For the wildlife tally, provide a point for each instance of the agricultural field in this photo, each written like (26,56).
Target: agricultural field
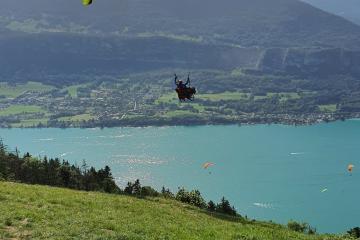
(283,96)
(328,108)
(30,123)
(13,91)
(225,96)
(20,109)
(77,118)
(73,90)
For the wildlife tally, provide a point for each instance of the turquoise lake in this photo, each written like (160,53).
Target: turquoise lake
(269,172)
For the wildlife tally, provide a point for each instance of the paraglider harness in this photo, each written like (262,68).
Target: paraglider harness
(184,92)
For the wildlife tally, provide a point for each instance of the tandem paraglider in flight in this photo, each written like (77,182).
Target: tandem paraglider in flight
(184,90)
(87,2)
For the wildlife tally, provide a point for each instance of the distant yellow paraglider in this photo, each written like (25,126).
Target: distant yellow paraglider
(350,168)
(87,2)
(207,165)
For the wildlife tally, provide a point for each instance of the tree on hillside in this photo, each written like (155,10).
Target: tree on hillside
(129,188)
(84,167)
(137,188)
(225,207)
(2,148)
(165,192)
(194,197)
(297,227)
(211,206)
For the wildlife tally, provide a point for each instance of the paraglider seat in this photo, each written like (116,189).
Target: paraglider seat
(186,93)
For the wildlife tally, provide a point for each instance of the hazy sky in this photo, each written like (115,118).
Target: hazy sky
(346,8)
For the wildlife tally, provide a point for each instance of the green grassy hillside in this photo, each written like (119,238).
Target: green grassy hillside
(38,212)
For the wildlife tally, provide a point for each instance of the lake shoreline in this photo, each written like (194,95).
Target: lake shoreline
(255,119)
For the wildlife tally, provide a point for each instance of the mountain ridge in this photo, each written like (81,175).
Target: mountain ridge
(281,23)
(41,39)
(349,9)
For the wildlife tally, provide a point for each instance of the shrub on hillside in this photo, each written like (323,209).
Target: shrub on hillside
(354,232)
(140,191)
(194,197)
(166,193)
(301,227)
(297,227)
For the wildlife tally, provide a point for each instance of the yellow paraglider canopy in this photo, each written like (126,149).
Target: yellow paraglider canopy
(86,2)
(207,164)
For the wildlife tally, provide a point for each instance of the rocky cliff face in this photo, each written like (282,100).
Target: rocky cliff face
(310,61)
(39,56)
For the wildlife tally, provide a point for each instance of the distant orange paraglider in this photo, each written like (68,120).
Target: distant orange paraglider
(207,165)
(350,168)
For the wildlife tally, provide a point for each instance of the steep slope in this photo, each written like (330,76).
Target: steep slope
(41,39)
(36,212)
(311,62)
(349,9)
(42,56)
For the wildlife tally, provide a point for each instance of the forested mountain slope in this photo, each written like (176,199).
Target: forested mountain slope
(285,23)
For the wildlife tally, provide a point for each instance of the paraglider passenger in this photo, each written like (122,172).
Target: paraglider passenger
(180,84)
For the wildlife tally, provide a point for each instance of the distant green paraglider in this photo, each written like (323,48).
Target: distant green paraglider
(86,2)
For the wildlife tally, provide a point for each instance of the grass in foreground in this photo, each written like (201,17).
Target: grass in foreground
(39,212)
